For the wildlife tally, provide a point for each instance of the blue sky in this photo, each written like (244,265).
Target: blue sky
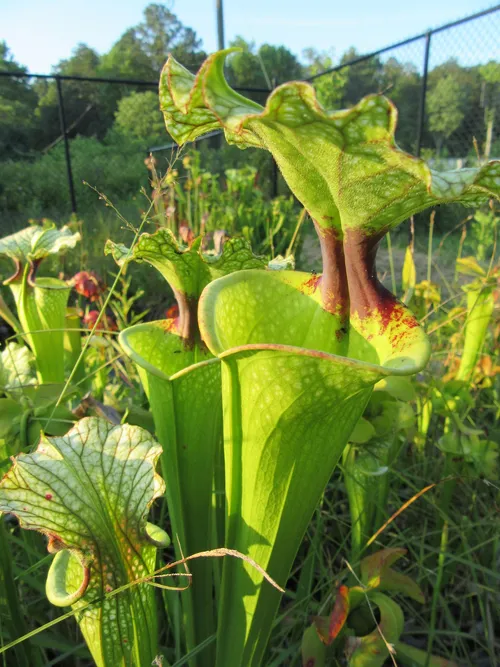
(41,32)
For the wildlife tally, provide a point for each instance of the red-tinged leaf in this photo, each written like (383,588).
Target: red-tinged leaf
(328,628)
(312,649)
(377,573)
(339,614)
(373,566)
(322,625)
(400,583)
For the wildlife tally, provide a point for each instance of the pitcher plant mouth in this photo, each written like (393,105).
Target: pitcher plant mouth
(124,339)
(28,247)
(397,346)
(334,358)
(187,270)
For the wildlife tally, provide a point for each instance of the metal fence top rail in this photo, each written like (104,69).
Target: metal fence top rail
(404,42)
(99,79)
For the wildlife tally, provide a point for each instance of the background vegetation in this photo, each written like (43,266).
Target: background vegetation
(112,126)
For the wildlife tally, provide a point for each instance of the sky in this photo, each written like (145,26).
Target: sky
(39,33)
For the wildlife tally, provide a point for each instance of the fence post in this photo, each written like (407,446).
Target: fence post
(62,122)
(423,93)
(220,24)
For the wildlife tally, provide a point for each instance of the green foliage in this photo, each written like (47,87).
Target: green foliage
(17,104)
(259,68)
(353,629)
(127,59)
(329,88)
(162,33)
(38,187)
(481,236)
(344,317)
(139,116)
(445,104)
(41,303)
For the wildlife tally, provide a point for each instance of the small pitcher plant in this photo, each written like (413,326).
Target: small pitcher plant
(41,302)
(90,491)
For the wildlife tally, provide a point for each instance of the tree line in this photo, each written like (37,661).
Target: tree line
(461,101)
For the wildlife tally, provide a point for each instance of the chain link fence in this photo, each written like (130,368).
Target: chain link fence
(445,83)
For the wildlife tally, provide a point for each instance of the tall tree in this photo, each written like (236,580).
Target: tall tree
(139,116)
(490,100)
(263,67)
(445,107)
(401,82)
(17,106)
(127,59)
(363,78)
(462,86)
(83,101)
(161,33)
(329,87)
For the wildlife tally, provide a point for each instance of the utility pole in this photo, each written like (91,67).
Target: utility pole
(220,24)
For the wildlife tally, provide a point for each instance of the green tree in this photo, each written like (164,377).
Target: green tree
(17,105)
(127,59)
(445,108)
(490,100)
(161,33)
(261,68)
(139,116)
(401,82)
(330,87)
(84,102)
(363,78)
(464,96)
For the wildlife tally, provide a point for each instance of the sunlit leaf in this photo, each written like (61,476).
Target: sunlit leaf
(376,572)
(363,181)
(469,267)
(409,273)
(34,243)
(312,649)
(90,492)
(329,630)
(401,388)
(17,367)
(362,432)
(41,310)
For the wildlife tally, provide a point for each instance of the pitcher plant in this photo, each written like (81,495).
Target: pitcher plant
(300,352)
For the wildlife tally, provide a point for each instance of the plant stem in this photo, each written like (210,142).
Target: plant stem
(436,592)
(391,263)
(429,246)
